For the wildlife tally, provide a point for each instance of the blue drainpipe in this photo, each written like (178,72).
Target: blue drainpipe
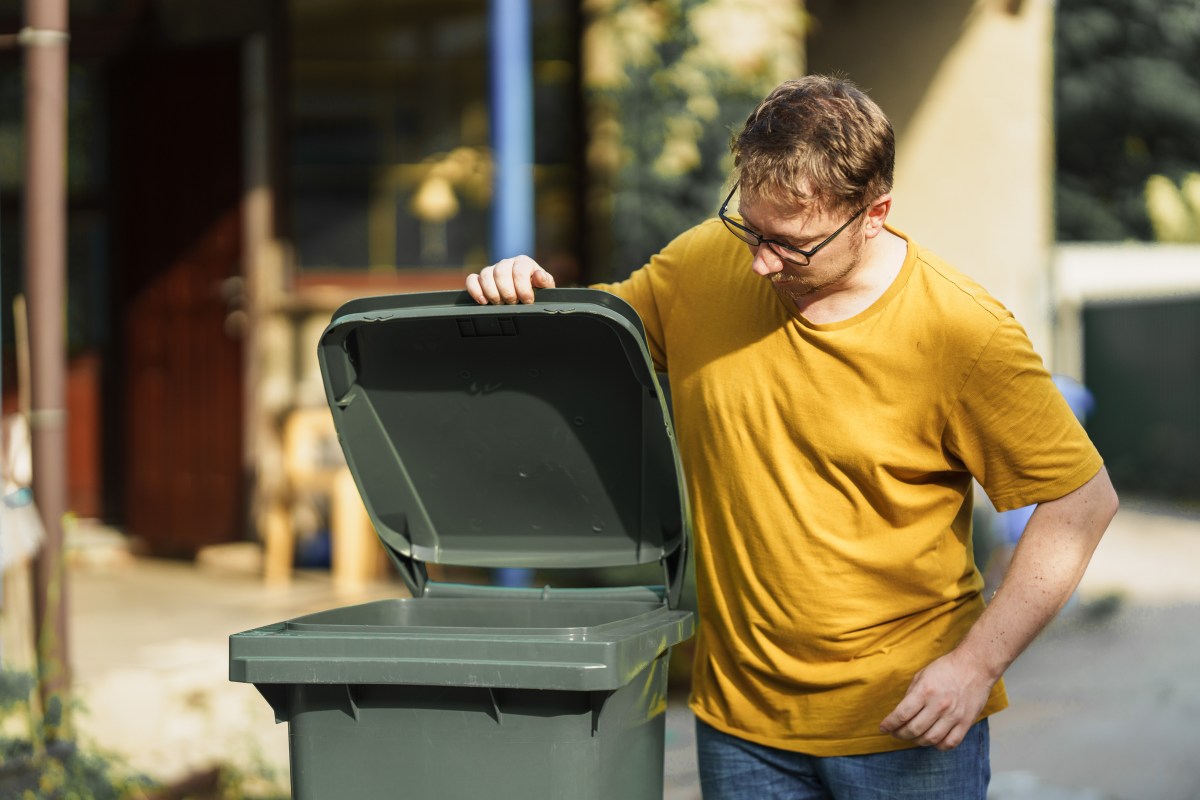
(512,128)
(512,147)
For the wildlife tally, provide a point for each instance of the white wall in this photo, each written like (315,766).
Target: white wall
(1114,273)
(967,84)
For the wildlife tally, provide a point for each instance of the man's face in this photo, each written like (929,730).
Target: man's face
(832,266)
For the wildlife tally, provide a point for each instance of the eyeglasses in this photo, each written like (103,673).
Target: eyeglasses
(784,250)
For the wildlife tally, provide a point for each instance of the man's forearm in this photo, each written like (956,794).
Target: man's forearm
(1046,567)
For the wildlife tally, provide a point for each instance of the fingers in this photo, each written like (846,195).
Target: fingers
(475,289)
(942,729)
(508,282)
(895,721)
(940,706)
(542,279)
(905,712)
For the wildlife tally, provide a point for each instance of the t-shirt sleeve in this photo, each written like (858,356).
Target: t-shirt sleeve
(1013,429)
(650,292)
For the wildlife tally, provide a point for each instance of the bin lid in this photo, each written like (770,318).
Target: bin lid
(507,436)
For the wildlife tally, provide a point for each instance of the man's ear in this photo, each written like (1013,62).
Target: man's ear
(877,214)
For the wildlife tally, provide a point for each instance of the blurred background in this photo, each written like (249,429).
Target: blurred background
(236,169)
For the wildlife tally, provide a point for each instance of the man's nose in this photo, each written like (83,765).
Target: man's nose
(766,261)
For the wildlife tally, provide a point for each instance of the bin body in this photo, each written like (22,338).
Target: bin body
(378,741)
(529,436)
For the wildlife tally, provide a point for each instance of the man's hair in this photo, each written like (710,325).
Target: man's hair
(816,140)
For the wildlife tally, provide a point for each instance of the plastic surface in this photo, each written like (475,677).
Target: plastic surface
(499,436)
(372,742)
(490,436)
(458,697)
(574,645)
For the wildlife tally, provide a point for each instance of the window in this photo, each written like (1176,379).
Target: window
(388,134)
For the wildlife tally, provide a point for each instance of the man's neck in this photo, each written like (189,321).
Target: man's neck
(882,261)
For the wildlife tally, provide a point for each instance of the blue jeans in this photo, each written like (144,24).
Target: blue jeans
(735,769)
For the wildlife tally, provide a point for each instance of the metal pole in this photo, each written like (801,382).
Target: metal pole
(45,48)
(512,128)
(512,144)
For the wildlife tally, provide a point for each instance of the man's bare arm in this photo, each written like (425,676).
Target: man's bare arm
(945,698)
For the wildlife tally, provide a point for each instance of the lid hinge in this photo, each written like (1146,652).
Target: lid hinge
(413,571)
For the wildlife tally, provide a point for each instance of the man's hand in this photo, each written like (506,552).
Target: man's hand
(941,704)
(508,282)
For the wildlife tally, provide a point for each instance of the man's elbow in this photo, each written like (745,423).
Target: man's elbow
(1114,502)
(1105,500)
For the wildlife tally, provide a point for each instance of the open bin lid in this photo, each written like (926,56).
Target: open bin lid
(507,436)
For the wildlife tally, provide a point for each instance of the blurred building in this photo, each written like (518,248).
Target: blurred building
(238,168)
(1127,319)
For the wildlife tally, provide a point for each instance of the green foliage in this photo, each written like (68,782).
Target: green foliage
(71,775)
(14,690)
(30,770)
(1127,107)
(668,83)
(255,784)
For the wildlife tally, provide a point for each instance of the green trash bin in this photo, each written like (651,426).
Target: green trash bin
(491,436)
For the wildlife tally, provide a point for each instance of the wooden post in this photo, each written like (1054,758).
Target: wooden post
(44,39)
(356,550)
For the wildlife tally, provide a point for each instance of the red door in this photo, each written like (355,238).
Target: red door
(177,163)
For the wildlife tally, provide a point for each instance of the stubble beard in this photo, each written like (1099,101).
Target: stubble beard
(802,284)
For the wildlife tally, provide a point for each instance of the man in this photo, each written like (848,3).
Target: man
(836,387)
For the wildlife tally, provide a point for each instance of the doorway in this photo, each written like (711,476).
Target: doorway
(177,425)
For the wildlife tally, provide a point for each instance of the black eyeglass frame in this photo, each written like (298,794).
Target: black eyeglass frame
(777,246)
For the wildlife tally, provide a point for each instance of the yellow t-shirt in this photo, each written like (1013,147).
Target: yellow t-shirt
(829,469)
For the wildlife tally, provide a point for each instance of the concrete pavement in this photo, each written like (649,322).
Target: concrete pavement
(1103,705)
